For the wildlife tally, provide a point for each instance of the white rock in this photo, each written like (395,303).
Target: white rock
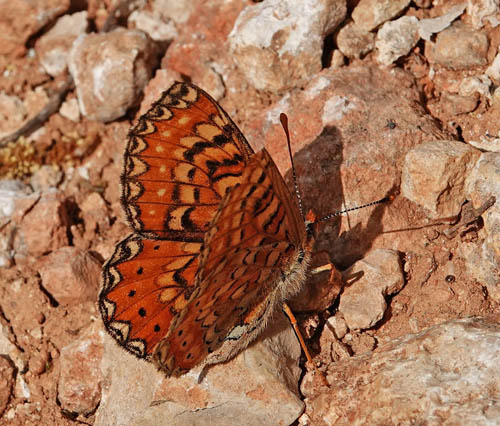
(396,39)
(258,387)
(277,44)
(442,376)
(483,10)
(434,175)
(375,276)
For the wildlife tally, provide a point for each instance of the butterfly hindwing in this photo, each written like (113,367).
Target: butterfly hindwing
(249,252)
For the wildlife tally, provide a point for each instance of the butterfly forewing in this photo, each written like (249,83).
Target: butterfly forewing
(181,158)
(253,241)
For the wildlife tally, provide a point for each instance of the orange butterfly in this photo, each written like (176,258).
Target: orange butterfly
(219,242)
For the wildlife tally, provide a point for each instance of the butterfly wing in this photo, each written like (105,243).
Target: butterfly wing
(248,257)
(181,159)
(182,156)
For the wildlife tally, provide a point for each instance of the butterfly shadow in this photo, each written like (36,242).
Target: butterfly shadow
(318,168)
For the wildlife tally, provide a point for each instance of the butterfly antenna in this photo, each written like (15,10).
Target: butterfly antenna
(284,124)
(382,200)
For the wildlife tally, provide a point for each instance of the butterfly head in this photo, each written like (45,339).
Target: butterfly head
(311,225)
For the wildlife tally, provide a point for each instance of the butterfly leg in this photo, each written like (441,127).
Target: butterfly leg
(293,321)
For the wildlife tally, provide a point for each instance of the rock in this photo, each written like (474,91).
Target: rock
(70,275)
(368,281)
(45,178)
(153,25)
(396,39)
(354,42)
(430,26)
(278,44)
(434,175)
(454,104)
(53,47)
(493,71)
(470,86)
(69,109)
(369,14)
(203,36)
(459,47)
(484,263)
(332,349)
(80,381)
(45,226)
(10,191)
(483,10)
(443,374)
(22,19)
(266,396)
(7,380)
(109,77)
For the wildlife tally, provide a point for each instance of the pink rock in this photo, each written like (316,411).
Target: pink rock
(70,275)
(44,227)
(204,35)
(354,42)
(271,52)
(434,176)
(459,47)
(400,381)
(79,388)
(19,20)
(369,280)
(110,71)
(53,47)
(369,14)
(258,387)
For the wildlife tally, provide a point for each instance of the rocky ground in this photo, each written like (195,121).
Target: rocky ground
(383,97)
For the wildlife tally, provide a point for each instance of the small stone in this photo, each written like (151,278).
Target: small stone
(278,44)
(70,275)
(110,70)
(45,227)
(354,42)
(454,104)
(338,325)
(22,19)
(70,110)
(53,47)
(10,191)
(46,177)
(7,380)
(493,71)
(338,59)
(459,47)
(396,39)
(369,14)
(434,175)
(483,10)
(153,25)
(363,301)
(79,387)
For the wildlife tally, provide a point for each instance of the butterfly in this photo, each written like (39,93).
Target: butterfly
(218,242)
